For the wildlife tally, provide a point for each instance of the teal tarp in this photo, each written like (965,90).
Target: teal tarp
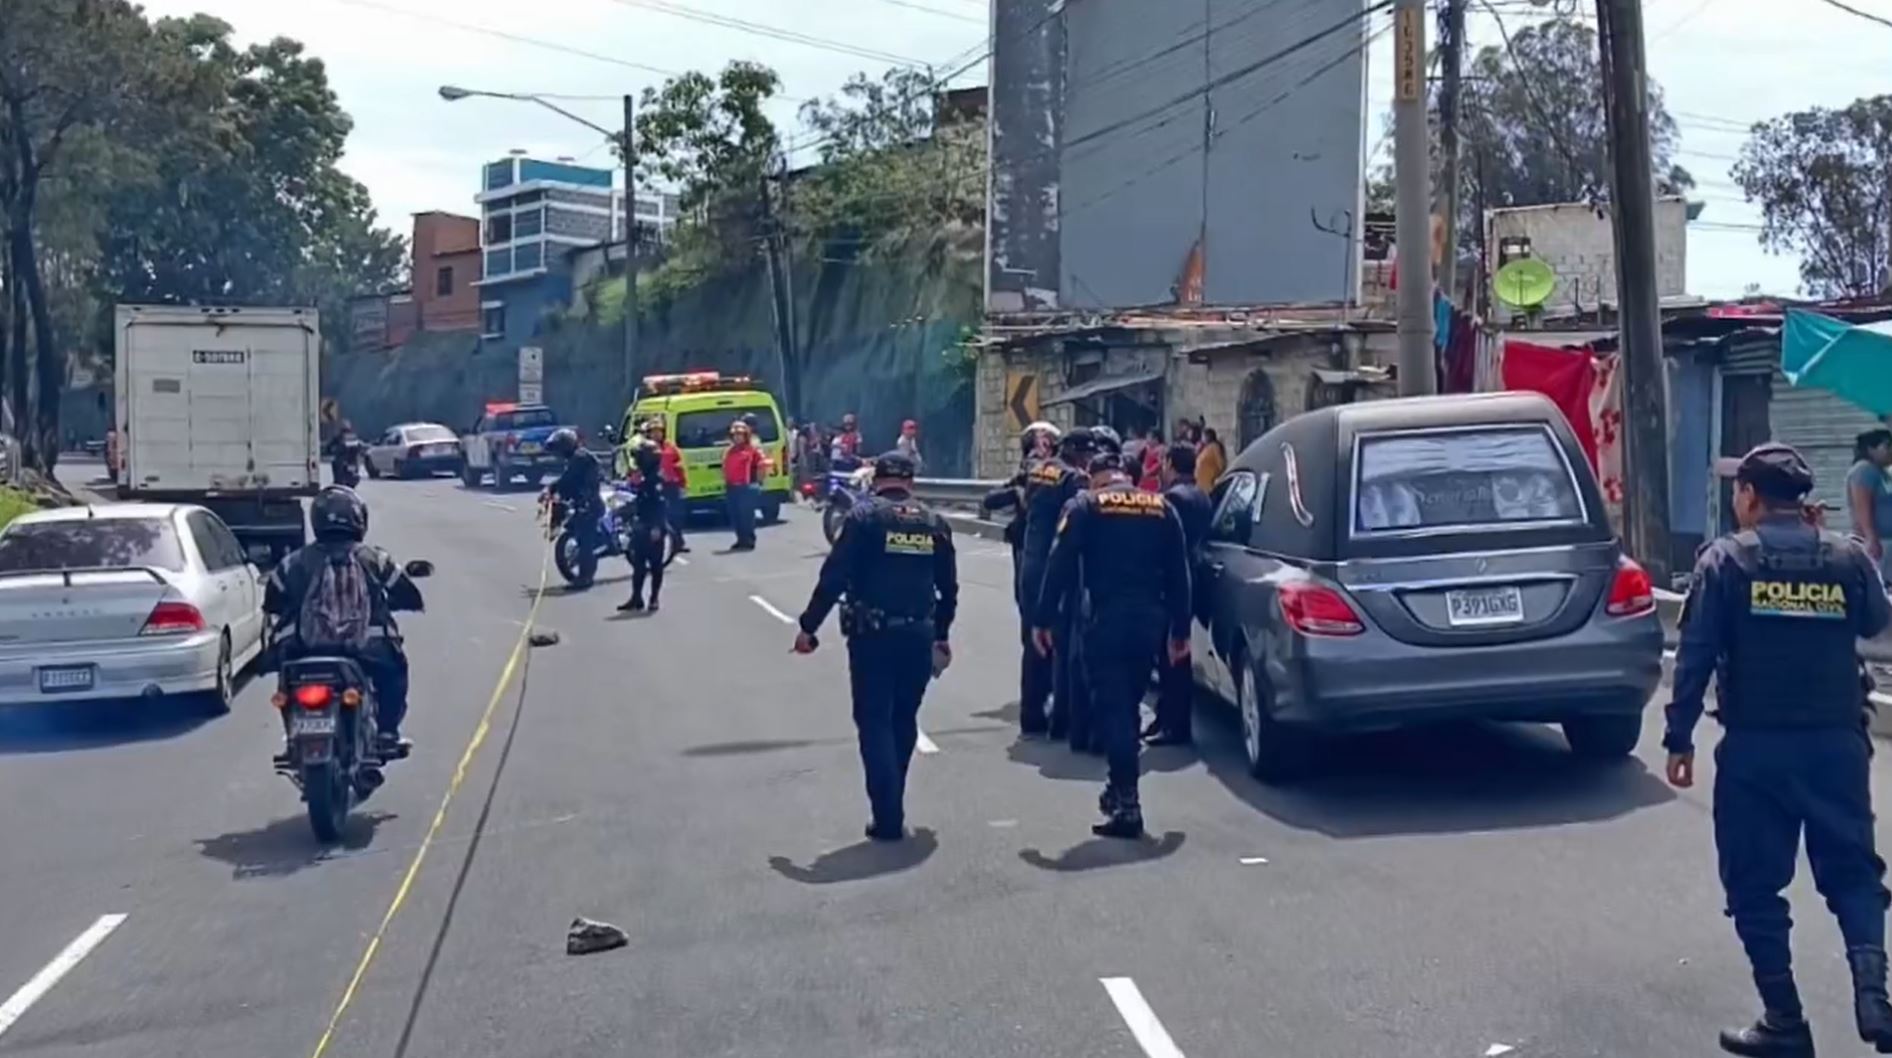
(1849,361)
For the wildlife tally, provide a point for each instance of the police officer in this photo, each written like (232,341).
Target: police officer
(1038,443)
(894,563)
(1041,491)
(1123,549)
(1774,609)
(1174,724)
(577,488)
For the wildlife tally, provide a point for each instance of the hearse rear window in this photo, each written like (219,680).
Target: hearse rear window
(1498,476)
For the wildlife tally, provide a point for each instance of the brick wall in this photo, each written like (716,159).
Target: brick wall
(1579,246)
(445,241)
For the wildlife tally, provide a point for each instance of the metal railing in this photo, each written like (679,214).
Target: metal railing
(957,492)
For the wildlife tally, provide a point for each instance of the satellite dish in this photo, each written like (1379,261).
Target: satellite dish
(1524,283)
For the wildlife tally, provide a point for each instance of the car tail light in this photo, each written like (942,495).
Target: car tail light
(413,451)
(313,695)
(1317,610)
(172,618)
(1632,593)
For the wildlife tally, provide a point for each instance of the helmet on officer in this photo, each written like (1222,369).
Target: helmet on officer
(1108,439)
(563,442)
(1103,464)
(337,513)
(1030,437)
(1078,444)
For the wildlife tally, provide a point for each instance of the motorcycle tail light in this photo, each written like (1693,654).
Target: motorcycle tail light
(351,698)
(313,695)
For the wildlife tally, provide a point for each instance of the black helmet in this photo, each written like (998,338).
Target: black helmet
(563,442)
(1108,439)
(1078,441)
(337,513)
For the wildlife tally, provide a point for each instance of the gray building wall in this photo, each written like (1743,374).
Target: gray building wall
(1158,127)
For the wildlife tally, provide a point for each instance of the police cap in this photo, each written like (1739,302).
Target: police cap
(895,465)
(1776,471)
(1106,461)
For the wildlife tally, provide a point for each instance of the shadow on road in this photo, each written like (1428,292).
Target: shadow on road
(532,591)
(739,749)
(1099,853)
(287,846)
(868,859)
(1453,779)
(1056,760)
(63,727)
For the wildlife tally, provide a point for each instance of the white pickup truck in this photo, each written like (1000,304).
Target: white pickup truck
(219,407)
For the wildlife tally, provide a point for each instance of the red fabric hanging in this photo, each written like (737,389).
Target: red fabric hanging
(1566,376)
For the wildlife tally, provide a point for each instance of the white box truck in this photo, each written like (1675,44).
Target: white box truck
(219,407)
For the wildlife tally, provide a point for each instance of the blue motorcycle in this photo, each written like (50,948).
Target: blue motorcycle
(845,489)
(612,537)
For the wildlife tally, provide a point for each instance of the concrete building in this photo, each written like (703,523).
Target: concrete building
(444,268)
(1578,242)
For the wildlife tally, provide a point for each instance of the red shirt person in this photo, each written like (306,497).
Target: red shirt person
(744,467)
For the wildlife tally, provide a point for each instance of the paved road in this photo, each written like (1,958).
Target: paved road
(1438,894)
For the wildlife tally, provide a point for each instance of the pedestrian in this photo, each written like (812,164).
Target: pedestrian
(909,444)
(1869,496)
(893,564)
(1039,494)
(1211,461)
(1150,474)
(1175,724)
(676,483)
(743,471)
(1125,549)
(1774,611)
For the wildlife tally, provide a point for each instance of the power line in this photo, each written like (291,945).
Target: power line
(500,34)
(1867,15)
(1530,95)
(743,25)
(954,15)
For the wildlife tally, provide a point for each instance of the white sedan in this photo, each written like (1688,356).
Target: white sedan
(125,600)
(416,449)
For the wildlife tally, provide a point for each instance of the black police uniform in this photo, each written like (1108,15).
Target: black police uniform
(1174,719)
(1045,487)
(577,486)
(1774,611)
(649,530)
(390,590)
(894,563)
(1123,549)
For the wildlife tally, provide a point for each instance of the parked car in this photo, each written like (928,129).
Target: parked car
(1400,562)
(125,601)
(416,449)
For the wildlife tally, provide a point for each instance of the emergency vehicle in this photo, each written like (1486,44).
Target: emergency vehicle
(697,409)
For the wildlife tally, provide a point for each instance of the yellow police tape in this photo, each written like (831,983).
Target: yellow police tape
(480,732)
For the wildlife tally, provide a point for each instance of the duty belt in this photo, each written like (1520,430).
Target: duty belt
(865,620)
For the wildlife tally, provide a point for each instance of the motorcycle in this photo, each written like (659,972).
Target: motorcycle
(333,752)
(346,464)
(845,489)
(612,536)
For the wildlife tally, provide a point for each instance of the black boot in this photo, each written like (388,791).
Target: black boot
(1871,1011)
(634,604)
(1126,815)
(1782,1031)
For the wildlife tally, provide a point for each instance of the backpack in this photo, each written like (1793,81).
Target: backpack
(338,608)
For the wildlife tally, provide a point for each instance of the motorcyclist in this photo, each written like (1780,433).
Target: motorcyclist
(344,452)
(846,453)
(339,521)
(577,492)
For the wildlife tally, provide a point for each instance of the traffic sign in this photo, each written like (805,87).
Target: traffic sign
(1021,399)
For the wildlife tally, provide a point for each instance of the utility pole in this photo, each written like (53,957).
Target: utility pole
(1639,311)
(1451,59)
(788,365)
(1412,176)
(628,148)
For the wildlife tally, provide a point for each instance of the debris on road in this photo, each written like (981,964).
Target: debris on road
(587,937)
(1250,861)
(542,637)
(1497,1049)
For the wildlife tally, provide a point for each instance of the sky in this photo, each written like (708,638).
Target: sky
(1722,64)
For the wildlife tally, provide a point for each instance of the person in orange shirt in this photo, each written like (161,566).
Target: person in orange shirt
(675,484)
(744,468)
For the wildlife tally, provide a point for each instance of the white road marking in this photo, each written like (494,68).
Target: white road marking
(1149,1032)
(32,991)
(770,609)
(1497,1049)
(1668,653)
(498,506)
(1881,699)
(1002,824)
(1250,861)
(681,561)
(925,745)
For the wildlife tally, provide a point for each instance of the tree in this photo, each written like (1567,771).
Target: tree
(1823,179)
(706,136)
(1533,127)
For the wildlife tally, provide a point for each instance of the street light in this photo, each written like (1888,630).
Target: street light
(626,149)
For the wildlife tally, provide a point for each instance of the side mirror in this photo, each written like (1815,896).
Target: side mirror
(419,568)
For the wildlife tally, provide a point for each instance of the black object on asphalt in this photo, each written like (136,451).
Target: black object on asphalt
(587,937)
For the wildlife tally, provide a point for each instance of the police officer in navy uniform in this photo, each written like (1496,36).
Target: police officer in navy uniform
(1122,551)
(1174,725)
(1774,610)
(1044,487)
(895,566)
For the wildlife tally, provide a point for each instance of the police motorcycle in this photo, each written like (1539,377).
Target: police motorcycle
(846,489)
(346,460)
(332,752)
(612,536)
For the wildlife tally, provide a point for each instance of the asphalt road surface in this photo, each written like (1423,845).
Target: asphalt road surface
(1449,893)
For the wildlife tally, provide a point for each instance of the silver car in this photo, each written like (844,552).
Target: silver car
(1401,562)
(415,449)
(125,601)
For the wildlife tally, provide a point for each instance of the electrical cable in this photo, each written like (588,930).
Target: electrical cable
(743,25)
(1867,15)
